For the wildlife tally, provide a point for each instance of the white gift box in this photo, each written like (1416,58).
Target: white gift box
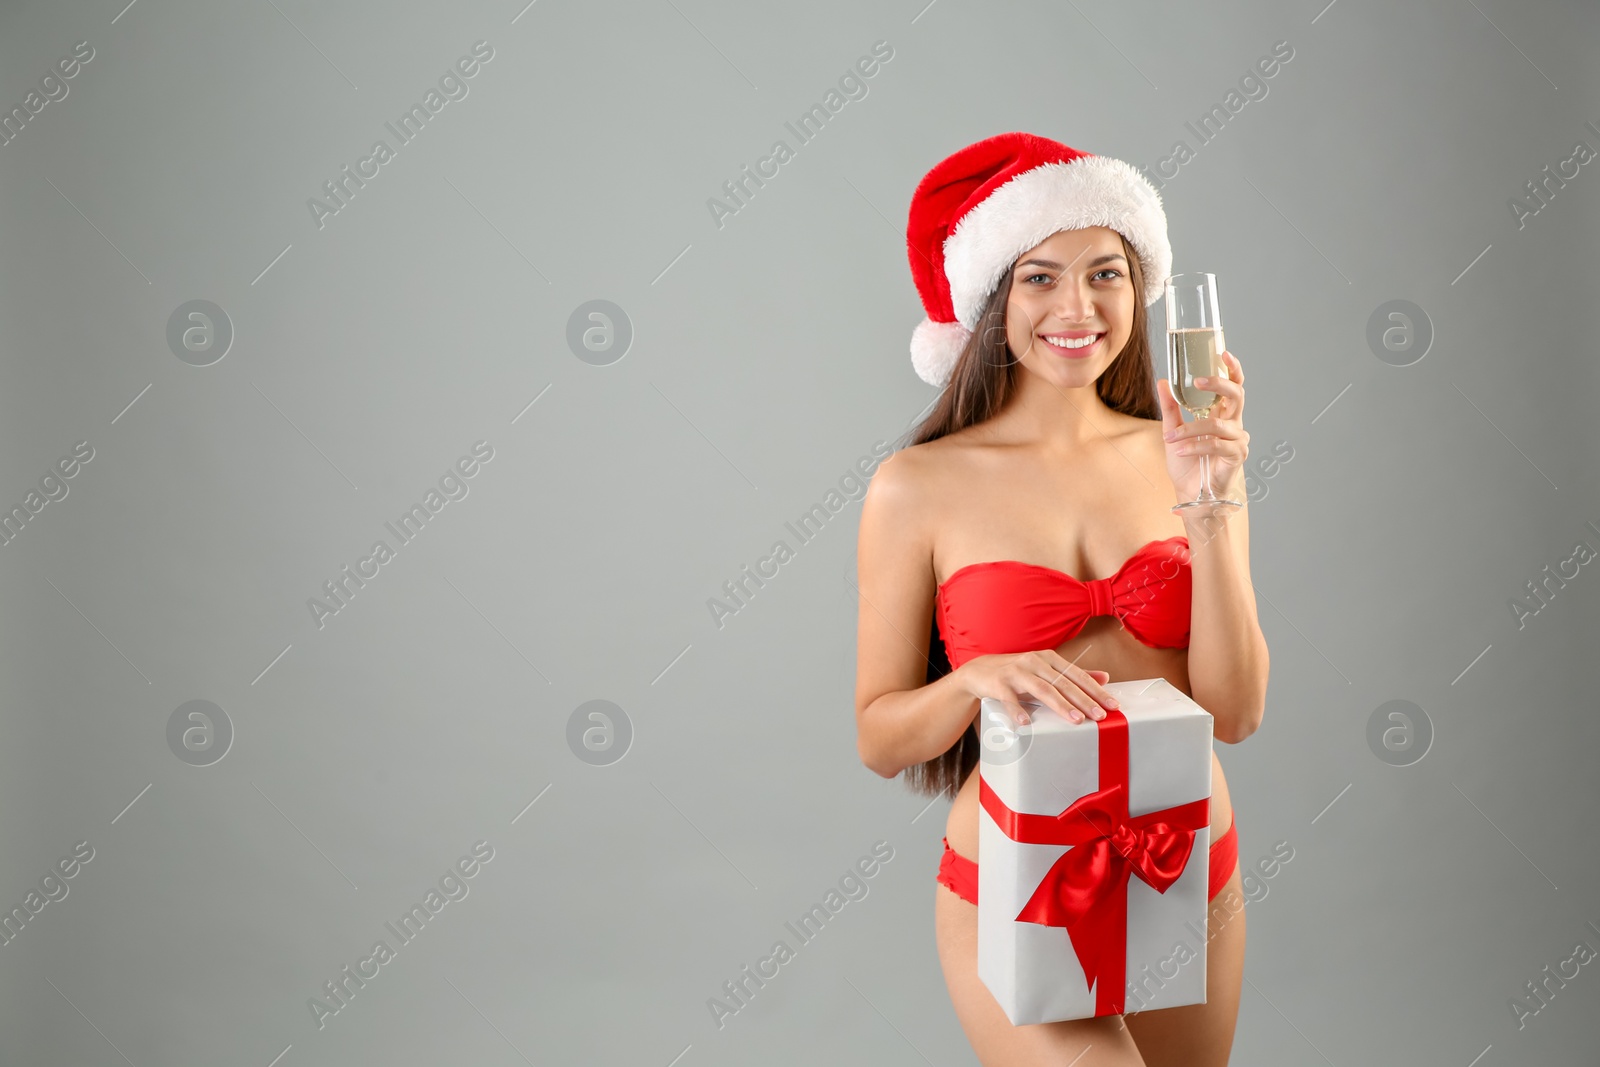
(1040,770)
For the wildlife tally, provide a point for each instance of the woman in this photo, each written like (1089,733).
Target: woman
(1048,456)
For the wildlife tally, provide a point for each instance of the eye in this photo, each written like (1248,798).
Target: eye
(1048,280)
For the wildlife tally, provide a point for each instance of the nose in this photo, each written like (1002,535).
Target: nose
(1074,302)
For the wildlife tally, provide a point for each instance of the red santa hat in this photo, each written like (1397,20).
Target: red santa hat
(975,212)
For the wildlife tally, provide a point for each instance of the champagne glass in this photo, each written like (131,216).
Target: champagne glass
(1194,348)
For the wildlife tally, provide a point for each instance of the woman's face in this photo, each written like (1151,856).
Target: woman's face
(1075,283)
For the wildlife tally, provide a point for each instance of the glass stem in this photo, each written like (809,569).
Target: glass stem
(1205,464)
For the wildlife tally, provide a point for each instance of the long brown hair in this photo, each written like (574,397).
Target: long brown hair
(984,379)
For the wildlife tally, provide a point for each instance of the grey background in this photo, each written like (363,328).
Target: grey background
(768,355)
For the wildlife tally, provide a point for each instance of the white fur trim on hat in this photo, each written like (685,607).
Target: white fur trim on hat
(935,347)
(1089,191)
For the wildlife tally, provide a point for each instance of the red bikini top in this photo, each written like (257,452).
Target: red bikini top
(1010,606)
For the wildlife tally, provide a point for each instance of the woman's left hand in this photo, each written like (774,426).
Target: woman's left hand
(1222,436)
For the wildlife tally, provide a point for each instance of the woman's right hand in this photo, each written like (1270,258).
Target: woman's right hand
(1045,676)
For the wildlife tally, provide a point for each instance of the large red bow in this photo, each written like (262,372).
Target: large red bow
(1086,889)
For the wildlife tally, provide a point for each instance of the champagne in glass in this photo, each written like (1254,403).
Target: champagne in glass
(1196,353)
(1194,350)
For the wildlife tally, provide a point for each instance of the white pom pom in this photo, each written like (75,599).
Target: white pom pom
(935,347)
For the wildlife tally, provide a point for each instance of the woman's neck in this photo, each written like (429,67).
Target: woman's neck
(1053,418)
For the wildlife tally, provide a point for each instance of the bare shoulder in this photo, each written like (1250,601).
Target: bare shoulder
(897,493)
(915,478)
(906,505)
(1144,434)
(1137,427)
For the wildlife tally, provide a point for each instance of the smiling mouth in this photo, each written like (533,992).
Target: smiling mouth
(1073,353)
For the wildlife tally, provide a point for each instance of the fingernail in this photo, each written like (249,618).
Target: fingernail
(1170,434)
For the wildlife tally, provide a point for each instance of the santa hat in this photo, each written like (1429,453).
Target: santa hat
(975,212)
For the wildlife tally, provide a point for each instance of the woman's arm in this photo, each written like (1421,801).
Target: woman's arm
(901,718)
(1227,652)
(905,727)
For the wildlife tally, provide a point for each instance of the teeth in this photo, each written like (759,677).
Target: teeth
(1068,342)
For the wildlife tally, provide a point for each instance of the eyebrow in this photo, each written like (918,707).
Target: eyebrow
(1053,265)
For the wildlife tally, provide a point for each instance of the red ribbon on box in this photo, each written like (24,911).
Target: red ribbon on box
(1086,889)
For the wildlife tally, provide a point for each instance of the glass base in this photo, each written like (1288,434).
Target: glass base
(1213,504)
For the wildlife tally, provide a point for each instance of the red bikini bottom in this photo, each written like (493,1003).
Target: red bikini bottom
(961,874)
